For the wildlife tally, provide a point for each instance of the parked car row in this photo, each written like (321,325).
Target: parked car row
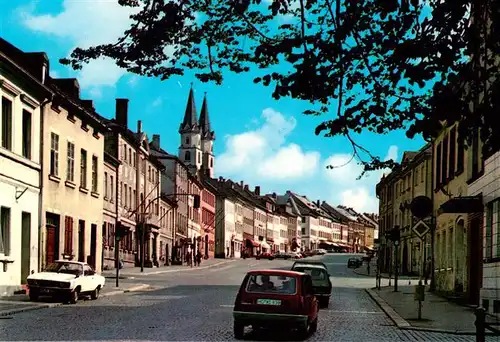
(288,300)
(290,255)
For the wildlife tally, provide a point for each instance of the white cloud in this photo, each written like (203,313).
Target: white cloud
(347,189)
(157,102)
(86,23)
(262,154)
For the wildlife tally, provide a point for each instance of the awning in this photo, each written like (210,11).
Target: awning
(251,243)
(270,239)
(462,205)
(265,245)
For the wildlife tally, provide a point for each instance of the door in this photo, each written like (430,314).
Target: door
(52,238)
(93,245)
(25,246)
(81,240)
(206,246)
(51,248)
(475,261)
(89,282)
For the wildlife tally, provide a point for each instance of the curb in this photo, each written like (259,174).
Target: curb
(384,277)
(33,307)
(403,324)
(128,275)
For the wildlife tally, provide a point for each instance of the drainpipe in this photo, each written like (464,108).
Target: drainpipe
(43,107)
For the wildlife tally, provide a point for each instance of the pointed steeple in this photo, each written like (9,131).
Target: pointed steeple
(190,122)
(206,130)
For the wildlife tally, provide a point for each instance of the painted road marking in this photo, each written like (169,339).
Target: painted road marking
(357,312)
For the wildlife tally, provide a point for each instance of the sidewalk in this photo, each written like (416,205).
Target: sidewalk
(132,272)
(363,271)
(438,314)
(20,303)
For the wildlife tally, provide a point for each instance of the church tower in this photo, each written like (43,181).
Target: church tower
(190,152)
(207,140)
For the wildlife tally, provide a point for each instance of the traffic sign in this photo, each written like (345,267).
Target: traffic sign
(421,207)
(421,228)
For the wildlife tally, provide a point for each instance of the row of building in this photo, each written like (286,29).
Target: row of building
(75,185)
(461,248)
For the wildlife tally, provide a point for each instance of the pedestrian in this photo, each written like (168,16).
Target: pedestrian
(427,270)
(368,267)
(198,258)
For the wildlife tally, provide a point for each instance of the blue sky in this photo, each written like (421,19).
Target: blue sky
(259,140)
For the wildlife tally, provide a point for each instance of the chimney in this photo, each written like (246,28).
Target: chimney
(318,203)
(257,190)
(221,179)
(246,187)
(121,114)
(241,183)
(88,104)
(139,126)
(274,195)
(69,86)
(156,141)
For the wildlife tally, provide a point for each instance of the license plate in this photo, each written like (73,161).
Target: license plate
(45,290)
(268,302)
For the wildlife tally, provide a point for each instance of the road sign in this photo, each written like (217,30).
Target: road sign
(421,228)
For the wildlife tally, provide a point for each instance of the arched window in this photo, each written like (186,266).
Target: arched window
(187,140)
(187,156)
(211,162)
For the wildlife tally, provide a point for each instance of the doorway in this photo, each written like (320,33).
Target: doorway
(25,246)
(81,240)
(52,237)
(93,245)
(476,260)
(206,246)
(405,259)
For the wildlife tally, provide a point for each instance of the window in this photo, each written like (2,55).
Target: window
(5,230)
(438,165)
(130,156)
(211,162)
(460,156)
(106,185)
(125,200)
(26,134)
(187,140)
(271,284)
(187,156)
(111,188)
(54,154)
(130,197)
(453,151)
(68,235)
(125,153)
(488,250)
(70,169)
(83,169)
(94,174)
(6,123)
(444,161)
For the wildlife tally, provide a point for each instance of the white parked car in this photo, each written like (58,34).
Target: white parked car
(67,279)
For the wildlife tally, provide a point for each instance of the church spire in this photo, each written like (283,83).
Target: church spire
(206,130)
(190,122)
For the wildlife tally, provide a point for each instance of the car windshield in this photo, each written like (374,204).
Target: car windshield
(316,274)
(263,283)
(65,267)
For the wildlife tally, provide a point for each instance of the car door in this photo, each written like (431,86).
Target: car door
(88,283)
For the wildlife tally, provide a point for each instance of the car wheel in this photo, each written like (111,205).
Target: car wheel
(95,294)
(33,296)
(303,332)
(239,330)
(314,325)
(324,303)
(74,296)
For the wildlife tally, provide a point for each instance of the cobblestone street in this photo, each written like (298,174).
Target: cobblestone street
(197,306)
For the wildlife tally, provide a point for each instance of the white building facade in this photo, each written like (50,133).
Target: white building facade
(489,187)
(20,168)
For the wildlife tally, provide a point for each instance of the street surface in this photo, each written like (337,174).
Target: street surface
(197,306)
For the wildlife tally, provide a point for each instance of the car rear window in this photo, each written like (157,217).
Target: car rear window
(315,273)
(263,283)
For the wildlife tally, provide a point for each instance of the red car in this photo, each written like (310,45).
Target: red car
(276,298)
(265,255)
